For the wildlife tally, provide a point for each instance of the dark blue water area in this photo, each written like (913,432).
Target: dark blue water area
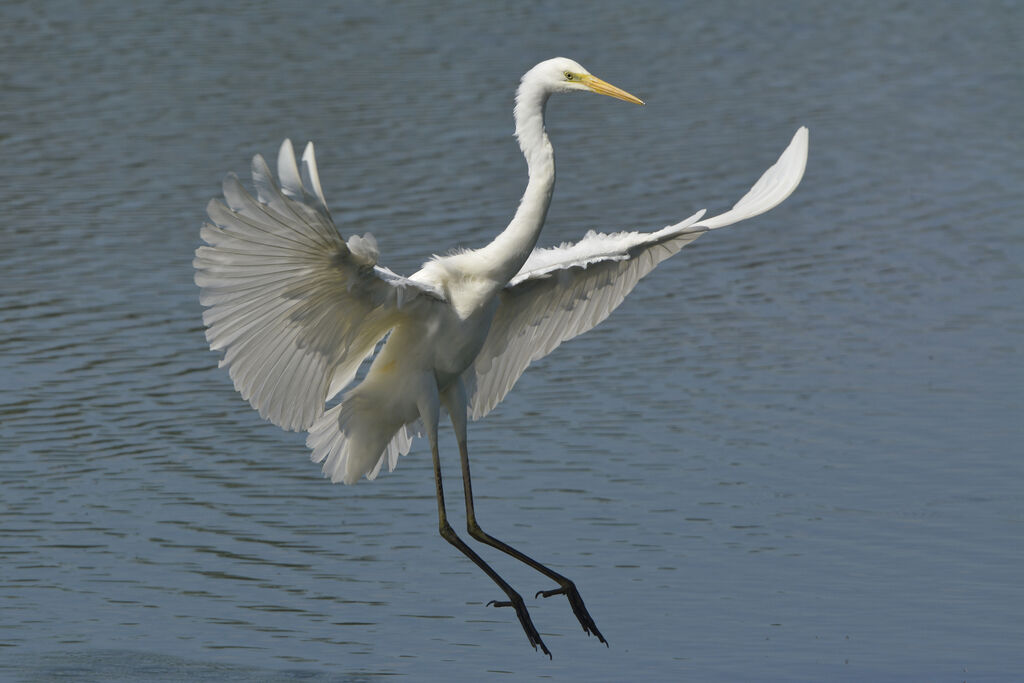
(794,453)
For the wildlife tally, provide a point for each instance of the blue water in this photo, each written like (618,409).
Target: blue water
(793,454)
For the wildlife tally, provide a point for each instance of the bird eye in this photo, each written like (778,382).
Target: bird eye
(568,75)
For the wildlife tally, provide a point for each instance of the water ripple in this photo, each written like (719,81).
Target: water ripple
(793,454)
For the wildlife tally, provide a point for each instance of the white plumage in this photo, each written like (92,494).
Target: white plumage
(296,309)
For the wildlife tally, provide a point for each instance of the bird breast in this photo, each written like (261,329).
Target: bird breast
(443,344)
(458,338)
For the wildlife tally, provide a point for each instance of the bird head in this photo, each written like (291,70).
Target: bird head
(565,75)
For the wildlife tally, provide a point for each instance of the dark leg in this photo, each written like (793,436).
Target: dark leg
(566,586)
(514,599)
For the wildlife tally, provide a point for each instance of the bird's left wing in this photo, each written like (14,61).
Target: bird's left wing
(565,291)
(294,306)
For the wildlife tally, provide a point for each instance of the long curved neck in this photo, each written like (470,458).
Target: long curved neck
(509,250)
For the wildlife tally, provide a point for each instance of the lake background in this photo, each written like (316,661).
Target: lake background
(794,453)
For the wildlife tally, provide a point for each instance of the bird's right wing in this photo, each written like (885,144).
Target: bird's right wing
(565,291)
(294,306)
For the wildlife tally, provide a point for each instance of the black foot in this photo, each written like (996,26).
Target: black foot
(524,619)
(568,589)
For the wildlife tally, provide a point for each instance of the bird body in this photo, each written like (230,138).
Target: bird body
(421,359)
(297,309)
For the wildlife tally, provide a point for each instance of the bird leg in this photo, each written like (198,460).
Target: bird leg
(566,586)
(514,599)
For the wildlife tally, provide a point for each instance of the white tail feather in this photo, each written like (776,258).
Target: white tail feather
(351,443)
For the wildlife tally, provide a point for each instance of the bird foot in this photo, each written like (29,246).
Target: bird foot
(568,589)
(524,619)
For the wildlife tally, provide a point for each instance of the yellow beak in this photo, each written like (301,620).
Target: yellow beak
(604,88)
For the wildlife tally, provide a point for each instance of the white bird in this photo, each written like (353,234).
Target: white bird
(296,310)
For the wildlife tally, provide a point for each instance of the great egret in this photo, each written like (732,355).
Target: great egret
(297,309)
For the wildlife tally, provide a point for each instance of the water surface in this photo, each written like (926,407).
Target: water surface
(793,454)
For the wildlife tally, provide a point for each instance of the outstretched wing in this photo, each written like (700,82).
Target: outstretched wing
(565,291)
(295,308)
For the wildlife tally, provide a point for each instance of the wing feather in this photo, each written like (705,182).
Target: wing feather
(294,307)
(565,291)
(538,312)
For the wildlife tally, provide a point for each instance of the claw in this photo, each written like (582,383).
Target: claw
(578,608)
(524,620)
